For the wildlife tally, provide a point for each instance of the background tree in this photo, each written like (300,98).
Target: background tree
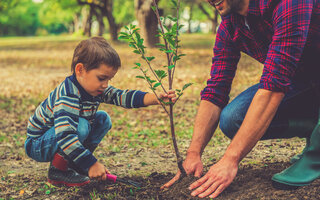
(147,21)
(212,14)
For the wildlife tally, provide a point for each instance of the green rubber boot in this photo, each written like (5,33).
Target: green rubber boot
(299,156)
(305,170)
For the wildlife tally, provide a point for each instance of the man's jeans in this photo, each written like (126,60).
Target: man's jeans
(42,149)
(297,114)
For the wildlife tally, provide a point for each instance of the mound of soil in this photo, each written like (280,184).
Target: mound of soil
(252,182)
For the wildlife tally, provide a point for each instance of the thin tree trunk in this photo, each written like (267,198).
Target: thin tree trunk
(99,17)
(148,22)
(190,18)
(214,19)
(106,11)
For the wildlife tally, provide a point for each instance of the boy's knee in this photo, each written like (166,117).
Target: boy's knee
(230,122)
(103,120)
(83,129)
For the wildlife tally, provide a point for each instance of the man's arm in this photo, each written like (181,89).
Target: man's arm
(258,118)
(205,124)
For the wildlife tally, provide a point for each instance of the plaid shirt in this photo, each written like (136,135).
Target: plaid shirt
(284,35)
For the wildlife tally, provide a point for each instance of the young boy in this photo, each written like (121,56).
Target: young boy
(66,127)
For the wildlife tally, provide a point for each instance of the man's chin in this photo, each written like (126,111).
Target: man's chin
(224,13)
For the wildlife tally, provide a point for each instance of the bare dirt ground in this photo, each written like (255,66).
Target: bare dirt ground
(138,147)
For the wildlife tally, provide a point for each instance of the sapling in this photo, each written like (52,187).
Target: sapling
(170,46)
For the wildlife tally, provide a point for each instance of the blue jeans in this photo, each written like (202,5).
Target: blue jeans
(296,116)
(43,148)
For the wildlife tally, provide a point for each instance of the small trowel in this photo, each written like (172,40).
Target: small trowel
(115,179)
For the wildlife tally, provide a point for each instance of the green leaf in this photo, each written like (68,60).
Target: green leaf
(154,8)
(136,51)
(169,51)
(48,192)
(174,3)
(156,85)
(135,67)
(150,58)
(186,86)
(171,67)
(142,77)
(178,90)
(138,64)
(161,45)
(172,18)
(121,37)
(160,73)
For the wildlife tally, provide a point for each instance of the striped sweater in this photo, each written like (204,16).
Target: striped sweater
(62,109)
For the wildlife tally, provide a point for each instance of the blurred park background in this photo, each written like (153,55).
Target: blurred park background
(37,39)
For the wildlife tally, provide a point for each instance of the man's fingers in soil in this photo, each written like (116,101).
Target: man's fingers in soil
(203,188)
(172,181)
(218,191)
(198,173)
(211,189)
(198,182)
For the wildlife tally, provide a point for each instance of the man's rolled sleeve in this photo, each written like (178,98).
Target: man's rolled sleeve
(224,64)
(291,22)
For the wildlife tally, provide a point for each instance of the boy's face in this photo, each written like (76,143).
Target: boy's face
(94,81)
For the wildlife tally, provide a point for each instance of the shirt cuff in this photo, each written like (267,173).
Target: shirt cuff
(86,162)
(138,99)
(211,99)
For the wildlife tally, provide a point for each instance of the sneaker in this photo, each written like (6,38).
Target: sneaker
(68,178)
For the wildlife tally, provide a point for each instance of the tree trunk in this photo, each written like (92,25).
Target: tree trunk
(99,17)
(147,22)
(190,17)
(105,7)
(106,10)
(87,23)
(214,19)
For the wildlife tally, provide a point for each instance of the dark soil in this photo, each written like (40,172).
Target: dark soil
(252,182)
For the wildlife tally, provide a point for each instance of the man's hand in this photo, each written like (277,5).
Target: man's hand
(216,179)
(192,165)
(98,171)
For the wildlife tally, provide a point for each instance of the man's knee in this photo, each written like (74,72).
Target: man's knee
(230,121)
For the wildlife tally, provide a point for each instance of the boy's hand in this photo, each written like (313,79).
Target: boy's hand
(167,96)
(98,171)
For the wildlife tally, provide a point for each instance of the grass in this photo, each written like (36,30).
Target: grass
(139,141)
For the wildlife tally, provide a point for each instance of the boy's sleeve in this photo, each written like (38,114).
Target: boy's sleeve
(124,98)
(66,118)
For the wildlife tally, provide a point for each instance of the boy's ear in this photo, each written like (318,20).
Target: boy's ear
(79,69)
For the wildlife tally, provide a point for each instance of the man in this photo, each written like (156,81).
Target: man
(284,35)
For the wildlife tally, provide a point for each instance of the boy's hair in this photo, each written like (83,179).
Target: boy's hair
(93,52)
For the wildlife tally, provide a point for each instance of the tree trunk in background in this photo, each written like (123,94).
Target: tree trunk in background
(87,21)
(106,10)
(190,17)
(76,22)
(214,19)
(147,21)
(105,7)
(99,18)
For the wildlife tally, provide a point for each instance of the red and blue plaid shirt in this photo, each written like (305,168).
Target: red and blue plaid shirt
(284,35)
